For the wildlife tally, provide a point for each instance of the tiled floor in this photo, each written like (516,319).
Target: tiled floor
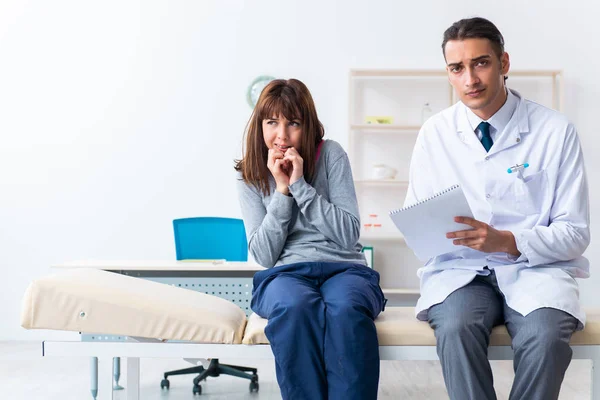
(25,375)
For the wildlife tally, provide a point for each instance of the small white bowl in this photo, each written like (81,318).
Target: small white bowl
(383,171)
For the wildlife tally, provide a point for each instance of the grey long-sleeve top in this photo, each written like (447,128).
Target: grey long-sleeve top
(320,222)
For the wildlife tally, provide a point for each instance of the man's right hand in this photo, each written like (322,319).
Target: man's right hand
(280,169)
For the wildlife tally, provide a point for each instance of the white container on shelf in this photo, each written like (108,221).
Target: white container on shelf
(383,171)
(426,113)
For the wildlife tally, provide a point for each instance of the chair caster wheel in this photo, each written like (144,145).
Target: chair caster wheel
(253,386)
(165,384)
(197,390)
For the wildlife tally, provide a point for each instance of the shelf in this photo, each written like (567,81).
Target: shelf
(535,73)
(396,73)
(405,129)
(385,236)
(400,291)
(381,182)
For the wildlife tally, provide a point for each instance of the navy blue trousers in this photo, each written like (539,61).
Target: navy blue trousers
(320,326)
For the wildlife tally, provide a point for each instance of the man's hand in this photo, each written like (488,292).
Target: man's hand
(484,238)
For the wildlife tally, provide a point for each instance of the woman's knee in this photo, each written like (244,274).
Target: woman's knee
(296,308)
(348,311)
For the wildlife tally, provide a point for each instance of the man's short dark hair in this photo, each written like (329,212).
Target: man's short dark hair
(475,28)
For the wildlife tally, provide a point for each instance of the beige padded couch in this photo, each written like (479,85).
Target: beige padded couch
(92,301)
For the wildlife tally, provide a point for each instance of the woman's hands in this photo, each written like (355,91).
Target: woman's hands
(287,168)
(297,164)
(280,170)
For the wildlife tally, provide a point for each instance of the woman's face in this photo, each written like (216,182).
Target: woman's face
(281,134)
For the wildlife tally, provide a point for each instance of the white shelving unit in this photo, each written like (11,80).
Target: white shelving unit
(402,95)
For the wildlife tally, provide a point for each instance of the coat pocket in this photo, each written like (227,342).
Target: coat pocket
(527,194)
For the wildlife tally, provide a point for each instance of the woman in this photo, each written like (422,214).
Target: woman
(301,216)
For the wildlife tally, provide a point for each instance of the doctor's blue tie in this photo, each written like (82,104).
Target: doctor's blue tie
(486,139)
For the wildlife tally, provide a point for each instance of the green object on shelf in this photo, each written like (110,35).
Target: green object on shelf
(375,119)
(368,251)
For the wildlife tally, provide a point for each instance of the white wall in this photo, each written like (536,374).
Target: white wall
(116,117)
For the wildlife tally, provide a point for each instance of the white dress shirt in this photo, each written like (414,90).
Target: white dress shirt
(546,206)
(499,120)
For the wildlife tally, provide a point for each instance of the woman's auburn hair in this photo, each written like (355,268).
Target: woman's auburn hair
(291,99)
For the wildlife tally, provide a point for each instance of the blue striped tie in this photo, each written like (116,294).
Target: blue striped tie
(486,139)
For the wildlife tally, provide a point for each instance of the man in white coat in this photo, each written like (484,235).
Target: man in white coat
(518,262)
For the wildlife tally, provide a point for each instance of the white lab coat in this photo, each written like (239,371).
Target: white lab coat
(546,208)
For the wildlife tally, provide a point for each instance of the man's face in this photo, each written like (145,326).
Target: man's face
(477,75)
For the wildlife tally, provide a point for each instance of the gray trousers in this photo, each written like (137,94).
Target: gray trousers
(540,341)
